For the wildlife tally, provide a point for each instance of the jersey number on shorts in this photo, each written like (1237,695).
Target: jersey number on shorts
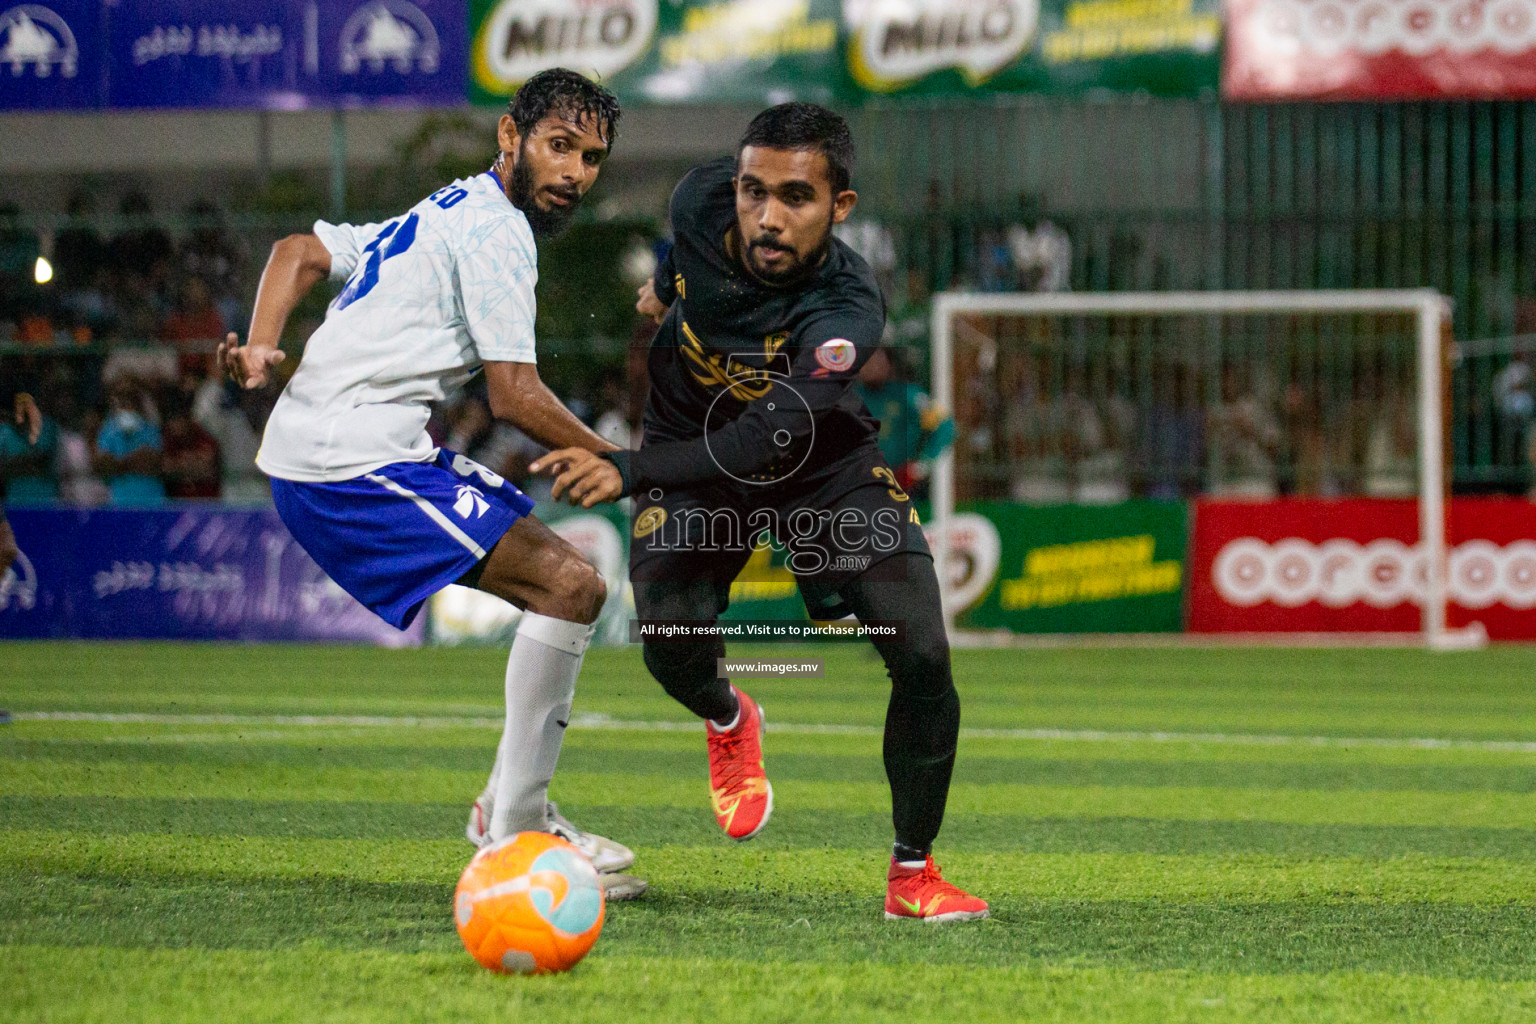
(465,466)
(399,236)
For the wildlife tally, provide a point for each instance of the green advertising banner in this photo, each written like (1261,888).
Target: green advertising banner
(1058,47)
(512,40)
(739,51)
(662,51)
(769,51)
(1072,568)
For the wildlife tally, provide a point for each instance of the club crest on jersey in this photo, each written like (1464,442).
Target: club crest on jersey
(836,355)
(649,521)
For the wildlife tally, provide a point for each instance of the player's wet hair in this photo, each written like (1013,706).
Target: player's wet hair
(568,95)
(805,126)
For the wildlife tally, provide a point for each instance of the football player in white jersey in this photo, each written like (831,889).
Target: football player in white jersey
(431,297)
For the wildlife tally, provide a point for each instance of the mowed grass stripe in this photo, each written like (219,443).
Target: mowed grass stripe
(49,777)
(356,724)
(815,764)
(690,742)
(792,828)
(1007,877)
(802,932)
(1390,693)
(195,986)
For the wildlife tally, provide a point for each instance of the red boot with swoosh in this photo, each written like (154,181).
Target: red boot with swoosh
(922,894)
(738,786)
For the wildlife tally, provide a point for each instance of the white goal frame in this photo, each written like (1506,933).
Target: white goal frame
(1431,310)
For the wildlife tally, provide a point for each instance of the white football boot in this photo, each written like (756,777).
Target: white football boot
(618,886)
(607,856)
(478,831)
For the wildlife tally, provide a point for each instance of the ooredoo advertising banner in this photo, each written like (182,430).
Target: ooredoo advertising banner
(1308,565)
(1380,49)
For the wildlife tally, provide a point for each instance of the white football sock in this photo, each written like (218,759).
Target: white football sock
(541,683)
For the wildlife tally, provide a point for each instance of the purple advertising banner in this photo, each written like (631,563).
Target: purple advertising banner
(52,55)
(268,54)
(187,573)
(389,52)
(206,53)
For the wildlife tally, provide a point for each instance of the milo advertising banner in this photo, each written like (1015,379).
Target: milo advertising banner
(769,51)
(939,47)
(1068,568)
(513,40)
(661,51)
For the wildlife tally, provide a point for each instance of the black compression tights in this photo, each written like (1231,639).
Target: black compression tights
(923,718)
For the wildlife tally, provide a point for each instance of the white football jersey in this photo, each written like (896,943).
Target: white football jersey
(429,296)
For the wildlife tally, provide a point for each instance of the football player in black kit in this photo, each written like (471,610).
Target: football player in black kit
(752,425)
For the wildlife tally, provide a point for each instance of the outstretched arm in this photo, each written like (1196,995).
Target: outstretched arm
(297,264)
(519,397)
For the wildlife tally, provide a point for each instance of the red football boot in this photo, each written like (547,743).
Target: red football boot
(738,787)
(921,894)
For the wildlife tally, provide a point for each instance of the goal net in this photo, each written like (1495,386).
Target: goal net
(1076,399)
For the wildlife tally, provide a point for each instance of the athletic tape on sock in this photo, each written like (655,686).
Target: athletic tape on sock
(571,637)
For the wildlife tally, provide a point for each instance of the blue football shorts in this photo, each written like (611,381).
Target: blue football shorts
(394,537)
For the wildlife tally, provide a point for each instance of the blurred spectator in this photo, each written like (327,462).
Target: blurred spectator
(1035,436)
(78,482)
(191,462)
(128,449)
(996,272)
(1514,396)
(873,241)
(194,318)
(1244,440)
(1172,433)
(211,253)
(138,264)
(19,250)
(1099,429)
(208,251)
(1041,251)
(137,306)
(1391,450)
(151,366)
(79,264)
(27,465)
(228,414)
(1319,448)
(78,250)
(143,248)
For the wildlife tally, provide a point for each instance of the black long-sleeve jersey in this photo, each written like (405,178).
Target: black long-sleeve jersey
(748,380)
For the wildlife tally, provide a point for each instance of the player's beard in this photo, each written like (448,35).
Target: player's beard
(524,195)
(801,267)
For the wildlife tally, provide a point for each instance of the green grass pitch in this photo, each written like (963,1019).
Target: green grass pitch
(273,834)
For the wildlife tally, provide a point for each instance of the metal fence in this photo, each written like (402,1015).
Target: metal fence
(1027,193)
(1123,195)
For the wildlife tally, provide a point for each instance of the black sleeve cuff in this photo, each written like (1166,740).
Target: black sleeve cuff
(620,460)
